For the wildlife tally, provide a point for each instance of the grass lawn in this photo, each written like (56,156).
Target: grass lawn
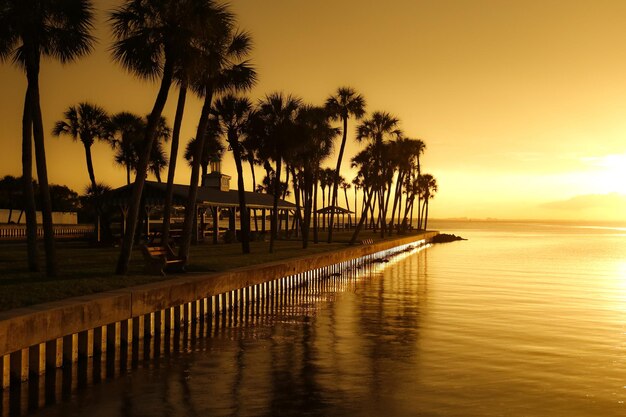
(84,269)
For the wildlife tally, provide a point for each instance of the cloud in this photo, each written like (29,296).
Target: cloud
(612,202)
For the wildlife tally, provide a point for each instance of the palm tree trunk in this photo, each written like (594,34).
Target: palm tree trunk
(308,204)
(284,195)
(387,228)
(396,196)
(331,221)
(274,223)
(323,204)
(356,192)
(359,226)
(142,169)
(92,175)
(315,219)
(251,162)
(243,210)
(419,212)
(171,170)
(190,211)
(94,187)
(42,171)
(27,184)
(426,215)
(297,221)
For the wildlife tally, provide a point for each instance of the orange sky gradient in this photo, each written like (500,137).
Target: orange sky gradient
(522,105)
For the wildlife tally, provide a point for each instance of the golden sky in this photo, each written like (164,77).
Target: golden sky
(522,104)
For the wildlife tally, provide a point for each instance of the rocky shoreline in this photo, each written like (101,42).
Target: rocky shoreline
(445,238)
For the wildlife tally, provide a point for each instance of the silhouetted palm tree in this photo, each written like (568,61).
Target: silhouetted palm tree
(370,181)
(357,184)
(85,122)
(428,188)
(222,68)
(274,123)
(128,132)
(378,129)
(30,29)
(232,114)
(345,103)
(316,138)
(158,157)
(151,39)
(405,154)
(211,152)
(415,150)
(187,66)
(345,186)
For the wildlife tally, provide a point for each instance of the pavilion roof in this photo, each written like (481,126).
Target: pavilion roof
(334,209)
(154,195)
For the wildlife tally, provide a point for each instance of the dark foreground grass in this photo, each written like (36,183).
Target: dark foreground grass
(84,269)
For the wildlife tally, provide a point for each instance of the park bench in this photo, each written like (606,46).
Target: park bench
(367,241)
(160,259)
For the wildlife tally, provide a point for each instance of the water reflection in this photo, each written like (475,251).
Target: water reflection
(315,349)
(488,327)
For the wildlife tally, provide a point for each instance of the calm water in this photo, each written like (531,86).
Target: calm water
(520,320)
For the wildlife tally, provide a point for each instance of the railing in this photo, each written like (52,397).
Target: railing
(79,341)
(18,232)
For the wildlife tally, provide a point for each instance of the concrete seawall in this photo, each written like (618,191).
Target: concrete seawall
(50,335)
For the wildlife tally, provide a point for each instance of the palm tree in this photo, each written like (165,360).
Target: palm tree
(356,182)
(370,182)
(428,188)
(151,39)
(186,69)
(316,138)
(30,29)
(416,149)
(223,68)
(405,154)
(211,152)
(232,114)
(345,186)
(85,122)
(344,104)
(274,123)
(127,129)
(158,158)
(381,127)
(327,176)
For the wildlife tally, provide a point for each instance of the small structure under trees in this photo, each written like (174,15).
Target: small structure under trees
(212,198)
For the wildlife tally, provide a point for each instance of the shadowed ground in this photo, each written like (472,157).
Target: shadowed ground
(85,269)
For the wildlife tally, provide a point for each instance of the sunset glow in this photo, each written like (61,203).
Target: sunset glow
(521,105)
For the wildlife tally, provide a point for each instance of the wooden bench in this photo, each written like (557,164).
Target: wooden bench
(160,259)
(367,241)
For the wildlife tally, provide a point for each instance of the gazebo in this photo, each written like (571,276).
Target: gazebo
(336,210)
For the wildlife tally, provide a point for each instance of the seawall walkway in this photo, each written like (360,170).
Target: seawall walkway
(39,339)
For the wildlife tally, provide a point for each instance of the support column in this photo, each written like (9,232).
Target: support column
(215,211)
(36,360)
(263,228)
(194,238)
(19,366)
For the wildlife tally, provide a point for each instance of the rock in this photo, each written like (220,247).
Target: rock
(445,238)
